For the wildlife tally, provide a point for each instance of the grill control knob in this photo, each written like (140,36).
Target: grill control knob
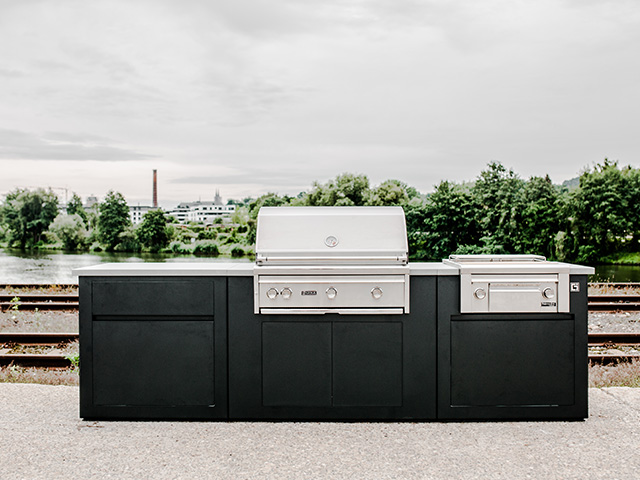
(479,293)
(331,293)
(286,292)
(548,293)
(376,292)
(272,293)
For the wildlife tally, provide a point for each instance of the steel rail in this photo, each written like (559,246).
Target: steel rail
(47,338)
(62,297)
(5,286)
(615,284)
(55,360)
(609,359)
(51,360)
(75,285)
(60,361)
(613,338)
(40,305)
(37,338)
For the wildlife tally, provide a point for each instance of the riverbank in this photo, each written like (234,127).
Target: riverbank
(623,259)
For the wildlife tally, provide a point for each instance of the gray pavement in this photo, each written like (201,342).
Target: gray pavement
(41,436)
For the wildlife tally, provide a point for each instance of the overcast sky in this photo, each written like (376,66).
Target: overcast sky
(251,96)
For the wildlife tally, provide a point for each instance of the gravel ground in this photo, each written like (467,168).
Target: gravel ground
(65,321)
(41,437)
(614,322)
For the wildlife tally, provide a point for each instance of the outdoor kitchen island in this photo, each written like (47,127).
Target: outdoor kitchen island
(332,322)
(181,341)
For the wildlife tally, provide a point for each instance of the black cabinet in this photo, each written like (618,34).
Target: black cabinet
(188,347)
(332,366)
(153,347)
(511,365)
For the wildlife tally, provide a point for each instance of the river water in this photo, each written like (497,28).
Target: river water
(56,267)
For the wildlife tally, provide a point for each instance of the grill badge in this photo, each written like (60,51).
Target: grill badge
(331,241)
(309,292)
(547,304)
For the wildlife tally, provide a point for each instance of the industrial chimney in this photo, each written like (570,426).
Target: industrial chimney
(155,189)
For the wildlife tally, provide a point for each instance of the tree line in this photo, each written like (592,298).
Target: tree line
(499,212)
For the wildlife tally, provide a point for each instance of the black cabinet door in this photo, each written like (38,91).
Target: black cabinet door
(332,366)
(153,363)
(296,364)
(512,362)
(153,347)
(367,364)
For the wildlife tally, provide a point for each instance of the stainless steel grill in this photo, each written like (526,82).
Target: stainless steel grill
(317,260)
(511,283)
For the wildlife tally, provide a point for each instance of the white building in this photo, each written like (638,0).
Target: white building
(136,212)
(202,212)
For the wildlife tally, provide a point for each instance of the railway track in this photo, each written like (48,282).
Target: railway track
(54,358)
(597,303)
(40,302)
(44,350)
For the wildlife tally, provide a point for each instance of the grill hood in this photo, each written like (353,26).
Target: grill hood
(331,236)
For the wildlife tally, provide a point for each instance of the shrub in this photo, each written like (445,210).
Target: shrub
(237,252)
(179,248)
(207,235)
(206,248)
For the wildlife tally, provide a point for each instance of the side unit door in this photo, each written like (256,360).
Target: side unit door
(153,347)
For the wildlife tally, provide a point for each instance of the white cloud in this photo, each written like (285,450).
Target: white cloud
(257,96)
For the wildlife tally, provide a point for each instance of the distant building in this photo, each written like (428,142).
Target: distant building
(90,202)
(136,212)
(202,212)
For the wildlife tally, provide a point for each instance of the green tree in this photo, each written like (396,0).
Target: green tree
(389,192)
(604,219)
(71,230)
(28,215)
(153,233)
(240,216)
(444,224)
(74,207)
(498,194)
(267,200)
(540,220)
(346,190)
(113,219)
(128,240)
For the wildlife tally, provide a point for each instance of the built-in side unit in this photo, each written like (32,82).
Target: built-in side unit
(153,347)
(511,365)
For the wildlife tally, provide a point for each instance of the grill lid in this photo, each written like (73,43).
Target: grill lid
(331,236)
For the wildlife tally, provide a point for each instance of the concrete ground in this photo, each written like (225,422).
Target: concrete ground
(41,436)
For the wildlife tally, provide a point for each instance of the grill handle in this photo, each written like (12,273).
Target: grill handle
(333,260)
(340,311)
